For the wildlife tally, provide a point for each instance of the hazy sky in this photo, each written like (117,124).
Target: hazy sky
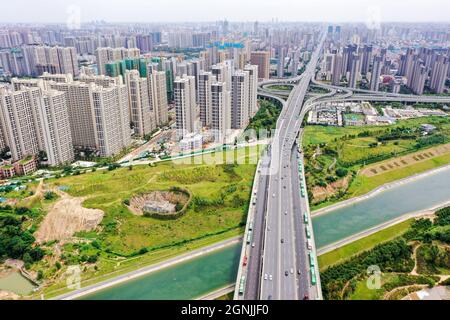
(233,10)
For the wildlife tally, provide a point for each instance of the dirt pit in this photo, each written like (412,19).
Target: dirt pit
(157,201)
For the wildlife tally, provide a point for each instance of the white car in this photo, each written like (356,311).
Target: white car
(265,276)
(270,277)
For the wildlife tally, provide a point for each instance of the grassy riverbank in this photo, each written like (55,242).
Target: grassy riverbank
(346,252)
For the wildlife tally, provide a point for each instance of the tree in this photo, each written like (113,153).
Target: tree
(341,172)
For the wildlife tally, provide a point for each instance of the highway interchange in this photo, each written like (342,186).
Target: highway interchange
(277,259)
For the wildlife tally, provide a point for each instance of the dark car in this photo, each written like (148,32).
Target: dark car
(286,273)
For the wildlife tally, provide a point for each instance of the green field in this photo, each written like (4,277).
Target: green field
(341,254)
(220,202)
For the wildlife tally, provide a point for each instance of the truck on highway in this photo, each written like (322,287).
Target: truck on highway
(311,259)
(242,285)
(249,237)
(313,277)
(308,232)
(309,244)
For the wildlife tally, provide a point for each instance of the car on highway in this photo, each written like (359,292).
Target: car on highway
(286,273)
(299,272)
(285,213)
(253,245)
(265,276)
(270,277)
(282,240)
(292,271)
(273,195)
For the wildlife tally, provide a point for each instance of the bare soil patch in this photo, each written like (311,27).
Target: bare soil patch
(66,217)
(322,193)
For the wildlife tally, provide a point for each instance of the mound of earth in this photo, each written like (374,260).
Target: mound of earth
(66,217)
(157,201)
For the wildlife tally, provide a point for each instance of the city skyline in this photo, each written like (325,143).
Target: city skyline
(266,10)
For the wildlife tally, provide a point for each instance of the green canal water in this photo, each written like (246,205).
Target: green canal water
(207,273)
(15,282)
(186,280)
(416,195)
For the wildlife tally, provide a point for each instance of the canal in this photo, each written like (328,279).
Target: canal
(186,280)
(420,194)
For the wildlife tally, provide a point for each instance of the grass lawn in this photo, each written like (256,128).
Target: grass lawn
(220,202)
(363,292)
(341,254)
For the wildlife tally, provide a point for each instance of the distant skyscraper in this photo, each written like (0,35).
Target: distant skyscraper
(439,73)
(418,76)
(337,69)
(281,58)
(366,59)
(376,73)
(355,69)
(262,60)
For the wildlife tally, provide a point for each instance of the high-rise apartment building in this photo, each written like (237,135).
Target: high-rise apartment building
(439,73)
(355,70)
(186,110)
(376,73)
(106,55)
(141,112)
(337,70)
(157,82)
(239,100)
(205,80)
(220,111)
(262,60)
(34,120)
(252,88)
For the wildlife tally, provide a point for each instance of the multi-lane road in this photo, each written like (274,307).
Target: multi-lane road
(285,270)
